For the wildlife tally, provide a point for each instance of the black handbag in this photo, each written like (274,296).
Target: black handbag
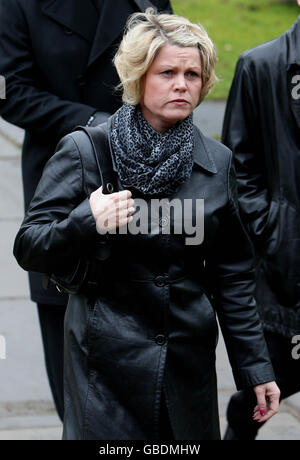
(85,277)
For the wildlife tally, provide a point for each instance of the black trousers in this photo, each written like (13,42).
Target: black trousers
(287,371)
(51,319)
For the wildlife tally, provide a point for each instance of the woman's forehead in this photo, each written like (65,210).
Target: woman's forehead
(174,54)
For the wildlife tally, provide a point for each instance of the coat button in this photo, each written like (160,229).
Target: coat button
(160,339)
(160,281)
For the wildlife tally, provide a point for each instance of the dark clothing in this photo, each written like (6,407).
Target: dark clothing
(165,428)
(240,408)
(51,319)
(261,127)
(98,4)
(56,57)
(152,326)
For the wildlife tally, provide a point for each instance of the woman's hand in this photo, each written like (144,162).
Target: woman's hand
(267,396)
(111,211)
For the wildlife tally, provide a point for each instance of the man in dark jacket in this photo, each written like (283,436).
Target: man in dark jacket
(262,127)
(56,57)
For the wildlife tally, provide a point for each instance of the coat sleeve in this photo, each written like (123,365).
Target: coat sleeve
(241,133)
(27,105)
(234,277)
(59,225)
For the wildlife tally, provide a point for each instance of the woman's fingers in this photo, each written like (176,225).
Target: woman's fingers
(124,214)
(262,415)
(267,396)
(112,210)
(260,409)
(120,205)
(123,196)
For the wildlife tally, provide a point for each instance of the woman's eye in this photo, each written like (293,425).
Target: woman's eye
(193,74)
(167,72)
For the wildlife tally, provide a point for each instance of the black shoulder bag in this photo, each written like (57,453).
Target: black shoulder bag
(84,277)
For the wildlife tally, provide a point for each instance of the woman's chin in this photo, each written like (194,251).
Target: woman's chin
(181,112)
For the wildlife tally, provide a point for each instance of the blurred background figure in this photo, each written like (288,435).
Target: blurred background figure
(56,57)
(262,127)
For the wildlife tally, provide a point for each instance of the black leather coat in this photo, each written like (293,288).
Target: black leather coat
(152,327)
(262,128)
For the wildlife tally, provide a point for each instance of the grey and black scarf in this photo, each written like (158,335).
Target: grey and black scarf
(146,160)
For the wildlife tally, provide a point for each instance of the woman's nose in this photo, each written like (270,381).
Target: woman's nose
(180,83)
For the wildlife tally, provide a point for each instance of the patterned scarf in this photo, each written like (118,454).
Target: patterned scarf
(146,160)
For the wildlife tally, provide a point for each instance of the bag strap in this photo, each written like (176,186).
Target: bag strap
(86,274)
(103,155)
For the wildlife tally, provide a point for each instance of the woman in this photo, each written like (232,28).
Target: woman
(140,353)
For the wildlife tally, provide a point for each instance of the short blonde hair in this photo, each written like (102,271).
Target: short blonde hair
(145,34)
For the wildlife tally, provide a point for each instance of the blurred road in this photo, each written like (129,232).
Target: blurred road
(26,407)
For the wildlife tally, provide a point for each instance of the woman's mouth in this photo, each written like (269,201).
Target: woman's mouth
(179,102)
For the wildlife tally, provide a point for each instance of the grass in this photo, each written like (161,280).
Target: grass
(237,25)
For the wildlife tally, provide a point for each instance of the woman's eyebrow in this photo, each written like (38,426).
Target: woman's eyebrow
(172,66)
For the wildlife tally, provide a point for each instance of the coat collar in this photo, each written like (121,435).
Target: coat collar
(110,26)
(201,154)
(77,15)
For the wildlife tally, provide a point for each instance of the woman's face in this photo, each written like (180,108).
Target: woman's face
(172,86)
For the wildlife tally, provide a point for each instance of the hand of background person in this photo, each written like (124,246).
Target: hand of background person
(112,210)
(267,396)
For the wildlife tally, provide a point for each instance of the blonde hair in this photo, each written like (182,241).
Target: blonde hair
(145,34)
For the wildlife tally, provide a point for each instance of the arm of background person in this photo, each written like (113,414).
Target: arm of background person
(242,134)
(27,105)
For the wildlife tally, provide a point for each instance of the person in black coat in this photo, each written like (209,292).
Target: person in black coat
(140,346)
(56,57)
(262,126)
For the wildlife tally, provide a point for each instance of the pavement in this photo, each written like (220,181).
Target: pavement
(26,407)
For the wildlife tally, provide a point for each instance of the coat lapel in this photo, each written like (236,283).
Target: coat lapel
(110,26)
(202,154)
(144,4)
(76,15)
